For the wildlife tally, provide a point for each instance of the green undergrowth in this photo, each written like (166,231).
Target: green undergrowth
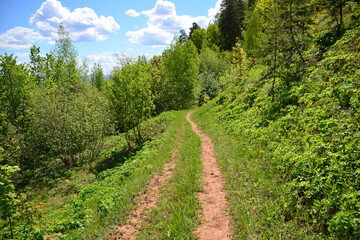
(88,204)
(292,162)
(176,214)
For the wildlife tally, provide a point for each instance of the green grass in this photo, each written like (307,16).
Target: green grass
(176,214)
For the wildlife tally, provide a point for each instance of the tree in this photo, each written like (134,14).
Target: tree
(15,85)
(65,55)
(84,71)
(286,36)
(193,28)
(214,39)
(335,9)
(180,67)
(198,38)
(297,16)
(254,32)
(8,196)
(159,86)
(183,36)
(36,65)
(97,77)
(211,67)
(251,3)
(131,98)
(232,15)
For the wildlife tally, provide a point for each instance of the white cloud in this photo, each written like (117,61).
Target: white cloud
(151,35)
(102,57)
(163,22)
(106,60)
(213,11)
(83,23)
(19,38)
(132,13)
(22,55)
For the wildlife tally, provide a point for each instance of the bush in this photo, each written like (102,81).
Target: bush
(63,124)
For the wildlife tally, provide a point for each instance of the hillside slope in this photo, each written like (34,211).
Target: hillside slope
(292,164)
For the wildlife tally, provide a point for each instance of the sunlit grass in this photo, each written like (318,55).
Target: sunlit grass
(176,214)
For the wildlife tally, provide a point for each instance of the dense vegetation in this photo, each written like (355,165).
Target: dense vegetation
(280,83)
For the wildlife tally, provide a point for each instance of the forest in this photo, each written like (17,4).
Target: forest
(274,83)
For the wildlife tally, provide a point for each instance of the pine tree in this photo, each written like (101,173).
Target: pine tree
(231,21)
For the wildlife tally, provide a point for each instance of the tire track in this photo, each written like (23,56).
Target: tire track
(148,200)
(216,220)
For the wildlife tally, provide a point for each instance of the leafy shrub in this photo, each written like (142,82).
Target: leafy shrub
(131,98)
(211,67)
(63,124)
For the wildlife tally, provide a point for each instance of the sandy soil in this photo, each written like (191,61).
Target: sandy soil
(215,218)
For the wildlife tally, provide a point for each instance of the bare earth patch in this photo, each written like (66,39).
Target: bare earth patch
(216,220)
(147,201)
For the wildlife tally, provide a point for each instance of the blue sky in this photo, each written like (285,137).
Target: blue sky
(98,28)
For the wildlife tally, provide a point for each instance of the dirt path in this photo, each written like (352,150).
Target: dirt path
(148,200)
(216,221)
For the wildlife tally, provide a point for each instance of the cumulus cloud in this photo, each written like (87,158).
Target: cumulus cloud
(163,22)
(106,60)
(151,36)
(132,13)
(213,11)
(19,38)
(83,23)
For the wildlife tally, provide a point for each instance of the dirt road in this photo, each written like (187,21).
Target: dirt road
(216,221)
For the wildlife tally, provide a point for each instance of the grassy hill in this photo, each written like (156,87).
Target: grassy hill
(293,163)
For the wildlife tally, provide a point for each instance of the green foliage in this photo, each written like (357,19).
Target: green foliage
(232,15)
(239,60)
(65,70)
(97,77)
(8,196)
(211,67)
(159,87)
(198,37)
(214,40)
(63,124)
(15,85)
(180,63)
(253,34)
(131,97)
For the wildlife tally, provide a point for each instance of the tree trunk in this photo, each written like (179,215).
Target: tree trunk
(11,228)
(292,33)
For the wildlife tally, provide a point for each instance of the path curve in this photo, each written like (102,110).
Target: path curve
(215,209)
